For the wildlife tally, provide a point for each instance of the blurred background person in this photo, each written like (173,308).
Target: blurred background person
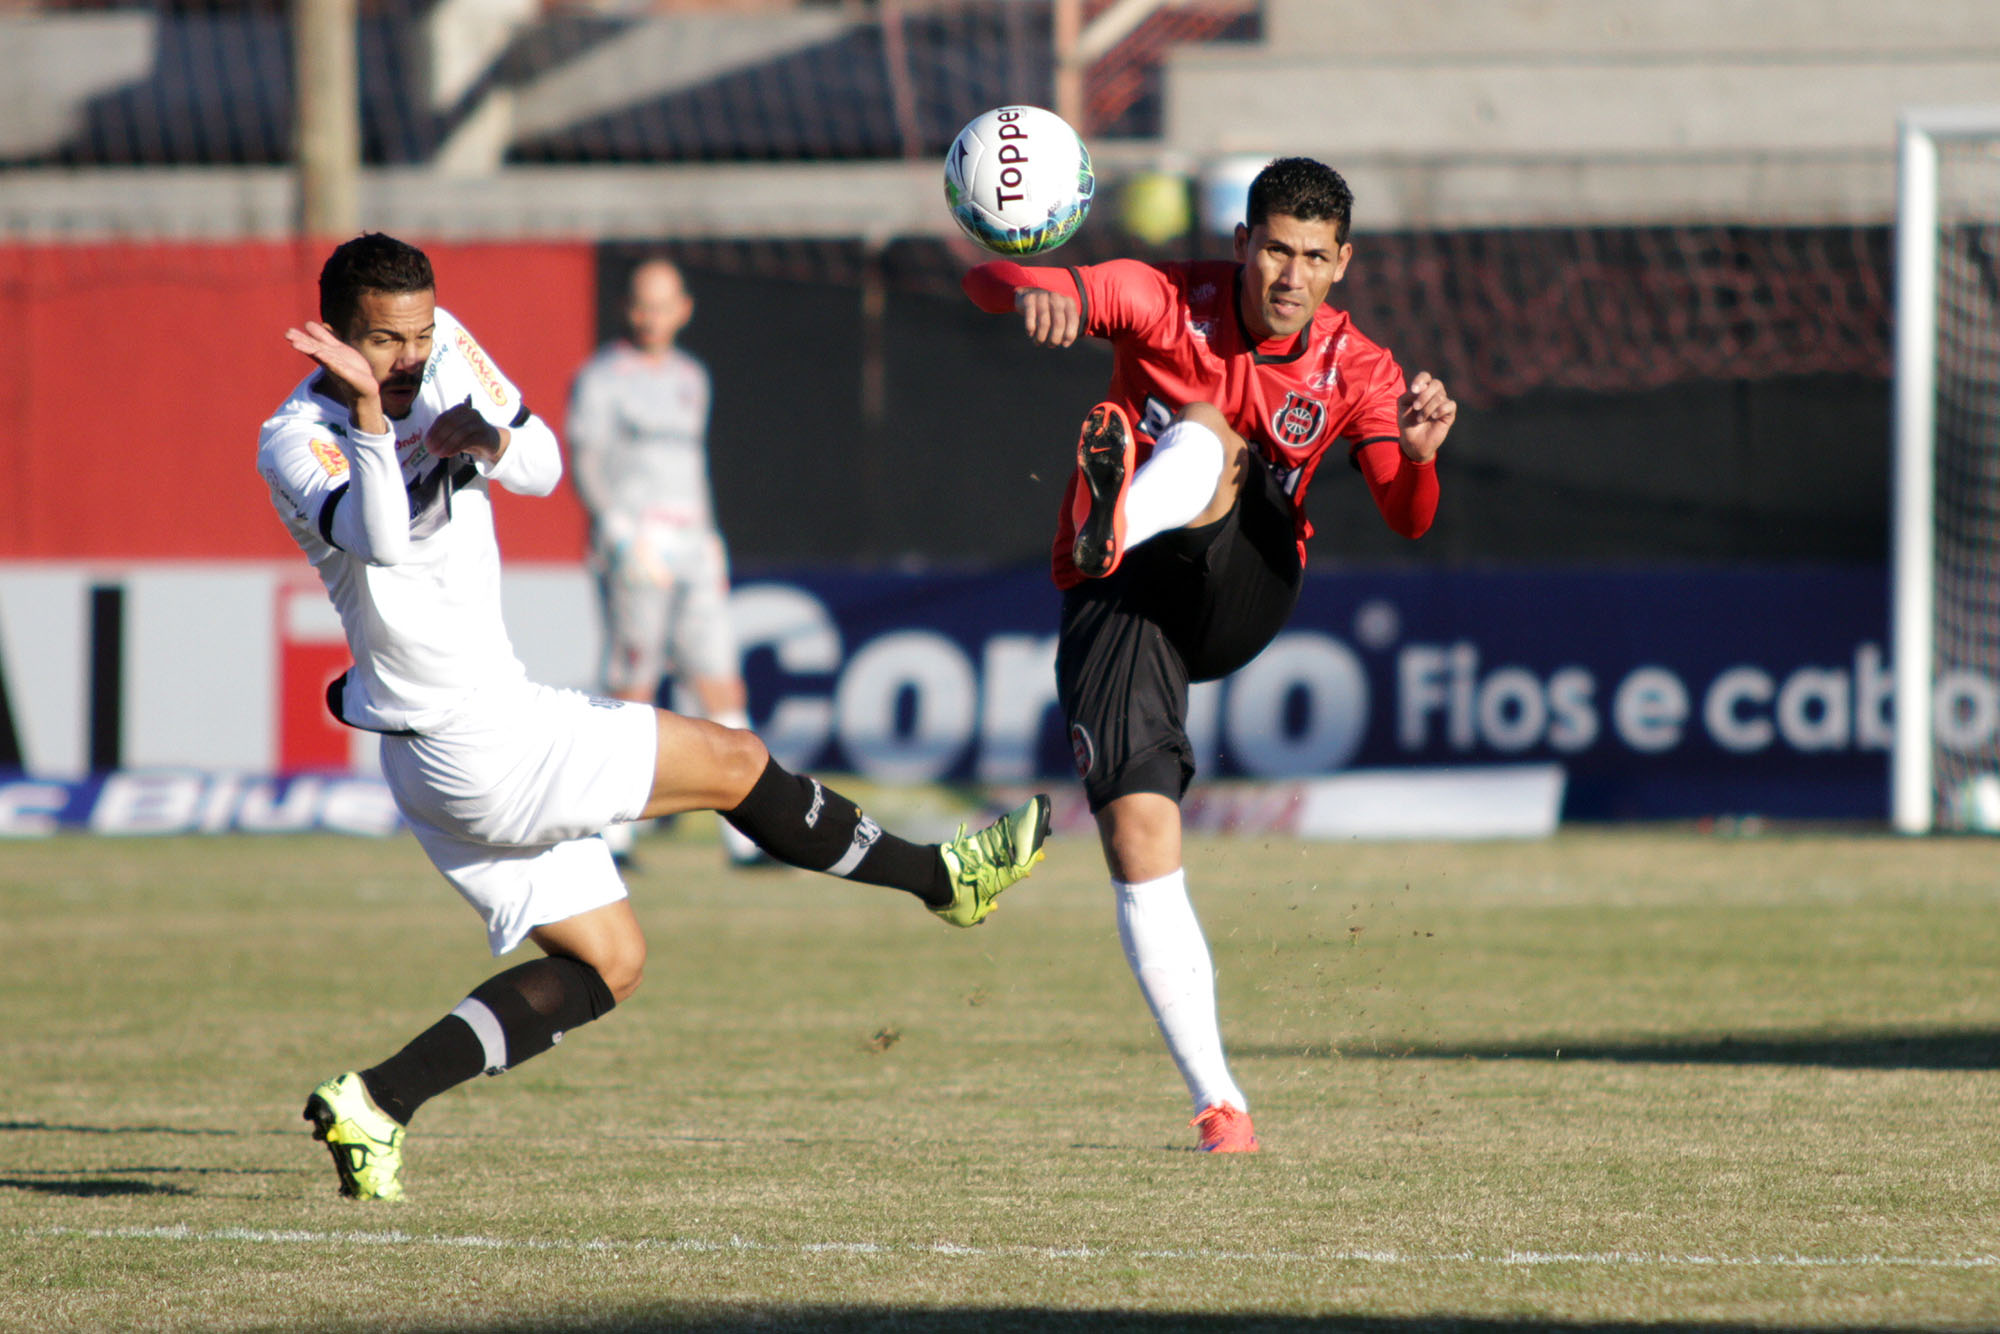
(638,427)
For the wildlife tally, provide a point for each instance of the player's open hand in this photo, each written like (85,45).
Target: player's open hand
(1424,415)
(347,368)
(1051,318)
(459,429)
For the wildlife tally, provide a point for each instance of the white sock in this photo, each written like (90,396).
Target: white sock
(1175,484)
(735,842)
(1169,957)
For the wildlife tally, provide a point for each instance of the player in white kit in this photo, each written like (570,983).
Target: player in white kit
(637,433)
(379,463)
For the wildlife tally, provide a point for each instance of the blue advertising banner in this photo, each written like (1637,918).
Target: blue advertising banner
(196,802)
(1660,695)
(1663,694)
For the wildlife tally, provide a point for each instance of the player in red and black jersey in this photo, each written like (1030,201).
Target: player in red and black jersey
(1182,536)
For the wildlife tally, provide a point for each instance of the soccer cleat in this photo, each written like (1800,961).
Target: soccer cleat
(366,1143)
(983,864)
(1225,1129)
(1104,467)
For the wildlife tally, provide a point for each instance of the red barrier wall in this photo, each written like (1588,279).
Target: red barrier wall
(138,374)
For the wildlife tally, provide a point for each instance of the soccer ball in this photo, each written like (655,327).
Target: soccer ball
(1018,180)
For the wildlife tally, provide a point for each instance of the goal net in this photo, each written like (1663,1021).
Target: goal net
(1946,768)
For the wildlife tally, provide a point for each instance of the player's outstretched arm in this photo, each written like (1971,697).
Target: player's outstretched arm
(1050,313)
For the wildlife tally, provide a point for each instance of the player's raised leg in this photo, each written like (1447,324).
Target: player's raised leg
(801,822)
(1199,463)
(1191,478)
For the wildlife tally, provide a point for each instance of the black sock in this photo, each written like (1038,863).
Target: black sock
(508,1018)
(797,820)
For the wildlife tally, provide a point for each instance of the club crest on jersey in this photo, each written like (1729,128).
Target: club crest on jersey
(482,369)
(1082,750)
(331,461)
(1298,420)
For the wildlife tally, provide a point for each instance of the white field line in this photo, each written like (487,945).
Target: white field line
(689,1245)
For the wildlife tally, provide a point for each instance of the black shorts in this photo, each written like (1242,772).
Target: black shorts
(1190,605)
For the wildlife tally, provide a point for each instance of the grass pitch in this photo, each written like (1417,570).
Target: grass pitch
(1616,1078)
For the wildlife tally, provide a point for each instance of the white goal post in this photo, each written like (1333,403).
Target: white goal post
(1935,212)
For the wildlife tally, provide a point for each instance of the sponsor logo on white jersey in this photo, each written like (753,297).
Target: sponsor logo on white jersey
(331,461)
(483,369)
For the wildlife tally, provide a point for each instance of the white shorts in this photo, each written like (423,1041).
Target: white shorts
(666,610)
(509,796)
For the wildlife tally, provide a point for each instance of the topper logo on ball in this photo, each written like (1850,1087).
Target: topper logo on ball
(1011,176)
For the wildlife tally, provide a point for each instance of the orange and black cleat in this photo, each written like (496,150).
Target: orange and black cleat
(1104,466)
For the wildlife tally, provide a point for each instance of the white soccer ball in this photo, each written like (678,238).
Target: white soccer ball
(1018,180)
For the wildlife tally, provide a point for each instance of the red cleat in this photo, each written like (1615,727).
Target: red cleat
(1225,1129)
(1104,463)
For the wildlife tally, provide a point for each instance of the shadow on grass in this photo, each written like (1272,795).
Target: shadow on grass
(1949,1049)
(145,1169)
(855,1320)
(90,1188)
(60,1128)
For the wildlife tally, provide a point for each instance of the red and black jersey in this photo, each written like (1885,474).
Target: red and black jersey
(1177,337)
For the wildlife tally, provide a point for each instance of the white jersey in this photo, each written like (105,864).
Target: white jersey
(420,603)
(637,433)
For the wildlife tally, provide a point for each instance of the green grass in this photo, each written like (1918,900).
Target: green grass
(1610,1079)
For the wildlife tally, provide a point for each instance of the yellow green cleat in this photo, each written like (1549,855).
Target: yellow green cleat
(983,864)
(366,1143)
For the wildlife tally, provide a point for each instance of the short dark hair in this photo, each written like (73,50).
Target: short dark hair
(371,262)
(1299,187)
